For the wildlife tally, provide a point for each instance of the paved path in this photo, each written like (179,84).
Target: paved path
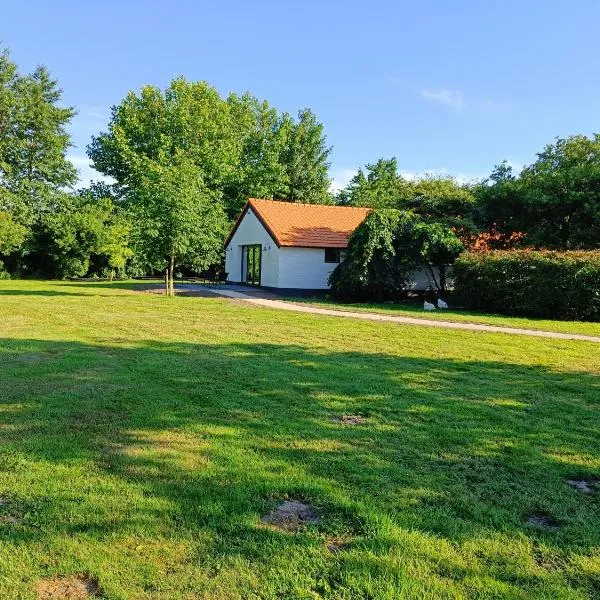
(307,308)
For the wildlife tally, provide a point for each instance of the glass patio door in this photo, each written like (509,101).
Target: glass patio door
(251,258)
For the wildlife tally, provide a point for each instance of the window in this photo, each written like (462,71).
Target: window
(333,255)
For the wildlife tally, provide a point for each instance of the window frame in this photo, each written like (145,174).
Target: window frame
(338,256)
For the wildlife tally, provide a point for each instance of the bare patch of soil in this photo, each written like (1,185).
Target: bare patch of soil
(5,510)
(291,515)
(10,520)
(335,545)
(587,486)
(68,588)
(543,521)
(351,420)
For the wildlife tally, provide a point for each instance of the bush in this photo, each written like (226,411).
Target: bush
(558,285)
(386,249)
(3,273)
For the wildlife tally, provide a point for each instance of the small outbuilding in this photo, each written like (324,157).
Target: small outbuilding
(287,245)
(292,246)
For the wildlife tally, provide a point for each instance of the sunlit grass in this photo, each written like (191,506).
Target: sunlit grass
(142,438)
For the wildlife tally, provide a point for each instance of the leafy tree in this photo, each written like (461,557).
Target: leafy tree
(377,188)
(304,158)
(387,248)
(439,200)
(8,103)
(38,150)
(260,172)
(78,238)
(436,199)
(500,202)
(240,146)
(178,220)
(188,117)
(562,192)
(430,245)
(12,234)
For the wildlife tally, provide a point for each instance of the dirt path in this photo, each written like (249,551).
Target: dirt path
(283,305)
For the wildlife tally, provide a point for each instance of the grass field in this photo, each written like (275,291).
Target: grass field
(143,438)
(406,309)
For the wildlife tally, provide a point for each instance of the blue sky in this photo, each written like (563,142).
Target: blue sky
(445,86)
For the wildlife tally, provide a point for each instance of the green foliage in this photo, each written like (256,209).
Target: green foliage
(500,202)
(259,173)
(177,220)
(33,136)
(560,285)
(562,191)
(239,146)
(304,158)
(436,199)
(12,234)
(439,200)
(377,188)
(555,201)
(386,249)
(79,236)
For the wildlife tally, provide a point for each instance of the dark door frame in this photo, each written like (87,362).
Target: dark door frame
(251,250)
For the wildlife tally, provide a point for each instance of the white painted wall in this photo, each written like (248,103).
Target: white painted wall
(251,231)
(304,268)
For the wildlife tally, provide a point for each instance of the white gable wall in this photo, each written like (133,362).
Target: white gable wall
(304,268)
(251,231)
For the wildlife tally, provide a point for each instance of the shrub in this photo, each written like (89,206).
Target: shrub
(559,285)
(4,274)
(386,249)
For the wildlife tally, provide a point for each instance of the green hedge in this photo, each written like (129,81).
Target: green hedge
(557,285)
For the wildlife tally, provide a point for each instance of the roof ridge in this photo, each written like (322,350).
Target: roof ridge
(294,202)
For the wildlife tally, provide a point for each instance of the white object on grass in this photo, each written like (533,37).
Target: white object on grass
(428,306)
(442,304)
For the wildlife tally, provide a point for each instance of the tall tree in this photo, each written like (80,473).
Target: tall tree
(172,154)
(439,200)
(178,220)
(260,172)
(500,202)
(562,191)
(378,188)
(188,117)
(38,155)
(34,169)
(304,158)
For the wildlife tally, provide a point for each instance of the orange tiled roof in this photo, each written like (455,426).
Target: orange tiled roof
(307,225)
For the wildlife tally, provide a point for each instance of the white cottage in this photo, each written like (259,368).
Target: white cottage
(286,245)
(291,246)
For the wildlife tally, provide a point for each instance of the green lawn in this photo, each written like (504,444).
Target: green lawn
(405,309)
(142,439)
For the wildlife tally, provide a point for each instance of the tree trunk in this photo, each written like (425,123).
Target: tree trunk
(442,278)
(171,283)
(167,286)
(432,273)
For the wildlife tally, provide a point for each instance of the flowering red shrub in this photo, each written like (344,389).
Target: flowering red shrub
(493,240)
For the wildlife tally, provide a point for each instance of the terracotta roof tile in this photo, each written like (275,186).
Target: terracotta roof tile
(308,225)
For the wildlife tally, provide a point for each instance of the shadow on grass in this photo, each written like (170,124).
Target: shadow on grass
(88,288)
(210,437)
